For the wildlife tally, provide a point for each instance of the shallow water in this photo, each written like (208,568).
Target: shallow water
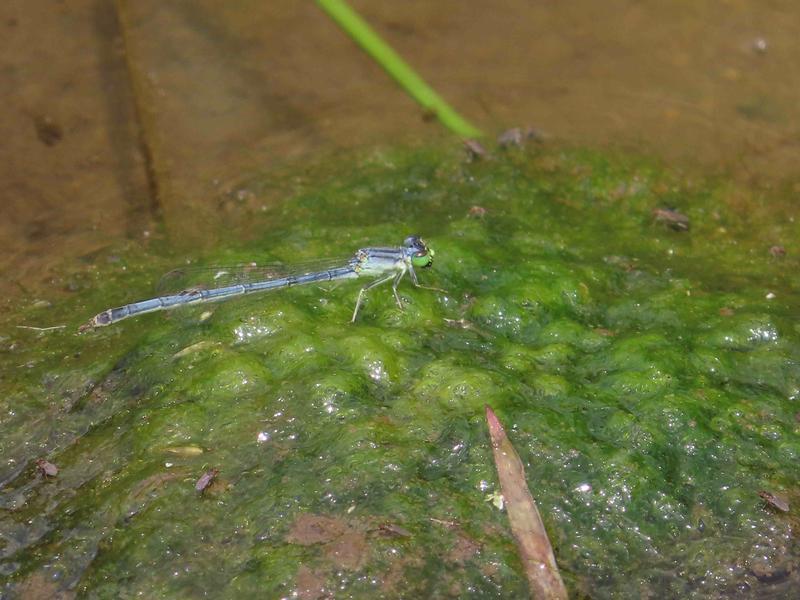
(130,120)
(648,378)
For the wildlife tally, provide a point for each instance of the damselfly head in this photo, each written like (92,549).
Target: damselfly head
(421,256)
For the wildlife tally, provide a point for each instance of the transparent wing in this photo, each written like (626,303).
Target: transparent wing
(217,276)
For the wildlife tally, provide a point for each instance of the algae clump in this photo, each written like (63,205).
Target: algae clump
(648,378)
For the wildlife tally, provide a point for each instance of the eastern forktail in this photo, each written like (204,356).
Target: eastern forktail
(385,264)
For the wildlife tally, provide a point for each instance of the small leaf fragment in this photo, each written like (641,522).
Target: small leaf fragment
(523,516)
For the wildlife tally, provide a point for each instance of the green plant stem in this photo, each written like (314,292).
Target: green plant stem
(395,66)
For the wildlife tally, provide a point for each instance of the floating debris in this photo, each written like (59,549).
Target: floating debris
(604,332)
(777,251)
(194,348)
(47,469)
(459,323)
(185,450)
(392,530)
(774,501)
(465,324)
(534,546)
(206,480)
(449,524)
(759,45)
(497,500)
(475,150)
(41,329)
(517,136)
(672,218)
(511,137)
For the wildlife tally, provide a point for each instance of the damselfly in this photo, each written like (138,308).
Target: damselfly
(382,264)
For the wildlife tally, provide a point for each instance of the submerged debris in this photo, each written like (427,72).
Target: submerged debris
(349,551)
(311,584)
(47,130)
(344,544)
(152,483)
(308,529)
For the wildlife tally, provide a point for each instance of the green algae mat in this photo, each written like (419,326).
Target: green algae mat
(647,374)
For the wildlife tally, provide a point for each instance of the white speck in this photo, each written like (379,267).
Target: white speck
(376,371)
(263,436)
(168,465)
(351,508)
(770,296)
(584,487)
